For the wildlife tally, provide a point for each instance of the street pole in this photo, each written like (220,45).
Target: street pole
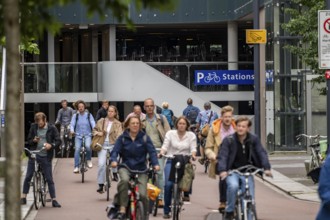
(256,63)
(328,98)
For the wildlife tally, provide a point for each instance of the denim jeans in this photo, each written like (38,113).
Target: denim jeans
(168,187)
(46,166)
(234,181)
(78,144)
(160,176)
(102,157)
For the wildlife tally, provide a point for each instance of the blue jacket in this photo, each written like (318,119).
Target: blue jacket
(134,153)
(324,191)
(228,151)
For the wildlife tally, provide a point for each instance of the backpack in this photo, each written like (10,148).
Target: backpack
(88,118)
(168,114)
(192,115)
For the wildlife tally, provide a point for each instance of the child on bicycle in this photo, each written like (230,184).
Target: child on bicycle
(237,150)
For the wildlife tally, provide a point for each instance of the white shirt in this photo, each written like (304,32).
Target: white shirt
(174,145)
(108,130)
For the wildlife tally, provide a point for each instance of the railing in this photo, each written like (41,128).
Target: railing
(60,77)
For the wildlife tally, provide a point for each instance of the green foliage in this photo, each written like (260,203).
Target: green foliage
(304,23)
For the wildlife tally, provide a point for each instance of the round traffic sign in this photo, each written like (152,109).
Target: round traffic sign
(326,25)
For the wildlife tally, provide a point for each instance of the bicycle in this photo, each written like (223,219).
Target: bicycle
(83,160)
(212,76)
(108,170)
(153,179)
(39,184)
(177,201)
(206,160)
(245,206)
(316,159)
(67,143)
(135,209)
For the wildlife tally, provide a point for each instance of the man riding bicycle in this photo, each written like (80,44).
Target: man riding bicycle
(237,150)
(64,116)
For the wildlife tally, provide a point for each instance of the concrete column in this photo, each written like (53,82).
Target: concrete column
(51,67)
(262,68)
(112,43)
(95,58)
(51,113)
(232,49)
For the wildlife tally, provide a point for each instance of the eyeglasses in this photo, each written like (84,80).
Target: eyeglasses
(149,106)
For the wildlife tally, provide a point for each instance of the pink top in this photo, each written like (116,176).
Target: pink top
(225,132)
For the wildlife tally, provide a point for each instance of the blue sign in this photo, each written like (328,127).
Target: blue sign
(224,77)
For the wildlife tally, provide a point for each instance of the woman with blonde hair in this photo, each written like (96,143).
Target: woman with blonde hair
(110,128)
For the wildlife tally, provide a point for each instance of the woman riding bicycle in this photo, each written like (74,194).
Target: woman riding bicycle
(177,142)
(133,146)
(110,129)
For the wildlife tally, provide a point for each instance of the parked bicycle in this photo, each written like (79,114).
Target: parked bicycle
(316,158)
(177,201)
(135,209)
(245,208)
(83,154)
(39,184)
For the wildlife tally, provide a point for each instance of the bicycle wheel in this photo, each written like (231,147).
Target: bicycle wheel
(206,165)
(155,203)
(139,211)
(251,212)
(108,181)
(43,190)
(82,167)
(36,188)
(238,210)
(63,150)
(176,203)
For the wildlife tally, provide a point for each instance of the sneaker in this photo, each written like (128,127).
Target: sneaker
(55,204)
(160,203)
(100,189)
(201,161)
(222,207)
(186,199)
(115,177)
(23,201)
(166,216)
(76,170)
(229,215)
(121,216)
(89,164)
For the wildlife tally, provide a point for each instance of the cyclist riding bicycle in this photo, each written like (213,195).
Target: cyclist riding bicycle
(82,123)
(42,135)
(64,116)
(133,146)
(237,150)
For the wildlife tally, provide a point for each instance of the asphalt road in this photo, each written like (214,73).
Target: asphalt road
(80,200)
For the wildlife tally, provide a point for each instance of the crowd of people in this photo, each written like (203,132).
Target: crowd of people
(227,143)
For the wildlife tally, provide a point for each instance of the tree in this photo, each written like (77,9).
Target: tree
(304,23)
(23,21)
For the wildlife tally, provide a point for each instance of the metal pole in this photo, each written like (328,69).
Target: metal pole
(3,103)
(256,58)
(328,99)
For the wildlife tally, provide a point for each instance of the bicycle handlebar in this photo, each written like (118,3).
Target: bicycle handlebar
(33,152)
(247,172)
(310,137)
(134,171)
(175,155)
(83,135)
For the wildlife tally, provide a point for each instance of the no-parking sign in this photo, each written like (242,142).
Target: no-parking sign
(324,39)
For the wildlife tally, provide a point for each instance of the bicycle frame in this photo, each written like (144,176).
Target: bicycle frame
(83,161)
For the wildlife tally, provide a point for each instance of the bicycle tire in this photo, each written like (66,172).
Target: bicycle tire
(82,167)
(108,182)
(36,195)
(68,151)
(251,212)
(175,207)
(63,150)
(139,211)
(238,210)
(155,207)
(206,165)
(44,190)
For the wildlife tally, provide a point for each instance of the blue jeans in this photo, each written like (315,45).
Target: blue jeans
(102,157)
(168,187)
(78,143)
(234,181)
(46,166)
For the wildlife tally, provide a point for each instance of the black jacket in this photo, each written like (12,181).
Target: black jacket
(101,113)
(52,137)
(226,157)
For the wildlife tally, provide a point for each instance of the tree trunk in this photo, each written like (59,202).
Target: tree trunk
(13,116)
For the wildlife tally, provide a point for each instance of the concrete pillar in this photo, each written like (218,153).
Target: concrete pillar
(51,112)
(112,43)
(232,49)
(51,67)
(262,68)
